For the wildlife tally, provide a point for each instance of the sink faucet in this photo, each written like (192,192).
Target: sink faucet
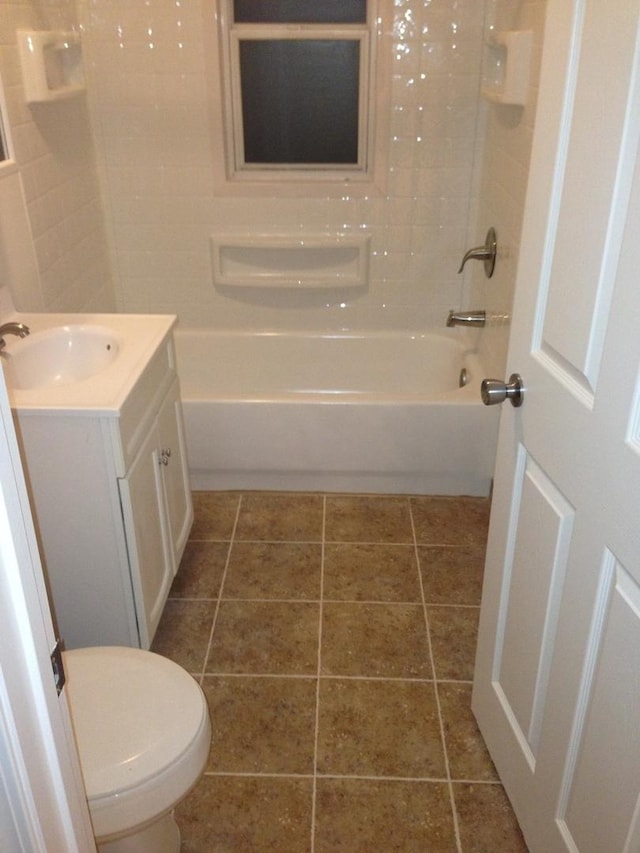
(19,329)
(464,318)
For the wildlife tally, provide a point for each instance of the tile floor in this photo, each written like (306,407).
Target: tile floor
(334,638)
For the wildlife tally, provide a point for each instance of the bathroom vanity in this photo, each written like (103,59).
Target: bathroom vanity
(105,461)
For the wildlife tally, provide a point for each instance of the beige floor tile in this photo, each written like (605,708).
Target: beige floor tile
(368,519)
(184,631)
(371,573)
(280,517)
(450,521)
(379,728)
(201,569)
(467,753)
(265,637)
(261,725)
(226,814)
(486,820)
(214,514)
(454,631)
(452,575)
(363,816)
(274,570)
(379,640)
(377,713)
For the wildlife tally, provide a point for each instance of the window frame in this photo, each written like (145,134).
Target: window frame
(364,174)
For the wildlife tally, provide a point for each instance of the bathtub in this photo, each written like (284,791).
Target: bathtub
(374,413)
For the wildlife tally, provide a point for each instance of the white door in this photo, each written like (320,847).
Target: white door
(42,799)
(557,686)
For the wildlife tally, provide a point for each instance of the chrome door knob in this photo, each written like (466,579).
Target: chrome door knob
(495,391)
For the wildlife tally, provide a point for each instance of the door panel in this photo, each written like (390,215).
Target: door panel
(557,684)
(148,541)
(596,178)
(605,777)
(175,474)
(543,536)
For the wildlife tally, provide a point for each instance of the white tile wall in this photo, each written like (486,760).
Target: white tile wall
(504,174)
(149,87)
(60,262)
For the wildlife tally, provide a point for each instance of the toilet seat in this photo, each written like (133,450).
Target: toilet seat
(142,730)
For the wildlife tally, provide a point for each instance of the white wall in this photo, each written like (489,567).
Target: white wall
(503,184)
(53,253)
(150,86)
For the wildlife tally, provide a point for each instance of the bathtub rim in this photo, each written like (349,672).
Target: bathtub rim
(467,395)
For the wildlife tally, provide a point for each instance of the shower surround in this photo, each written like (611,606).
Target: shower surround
(455,166)
(150,84)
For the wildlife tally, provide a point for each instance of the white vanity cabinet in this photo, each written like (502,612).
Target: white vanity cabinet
(112,504)
(157,513)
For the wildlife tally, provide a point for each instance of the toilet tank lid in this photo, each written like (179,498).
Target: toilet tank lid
(134,714)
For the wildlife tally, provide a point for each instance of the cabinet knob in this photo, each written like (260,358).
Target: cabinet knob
(165,455)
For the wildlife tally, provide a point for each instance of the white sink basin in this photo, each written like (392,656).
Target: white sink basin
(80,363)
(59,356)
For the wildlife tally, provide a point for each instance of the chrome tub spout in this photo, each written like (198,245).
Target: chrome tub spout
(466,318)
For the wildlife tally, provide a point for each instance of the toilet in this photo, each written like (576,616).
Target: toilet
(143,733)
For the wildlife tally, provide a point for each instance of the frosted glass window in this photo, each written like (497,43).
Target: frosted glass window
(300,11)
(300,101)
(298,85)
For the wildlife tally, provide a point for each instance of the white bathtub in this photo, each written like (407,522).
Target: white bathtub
(358,413)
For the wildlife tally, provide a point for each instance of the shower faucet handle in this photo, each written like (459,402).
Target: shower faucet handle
(486,253)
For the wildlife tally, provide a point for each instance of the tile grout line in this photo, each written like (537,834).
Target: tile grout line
(355,542)
(309,676)
(251,774)
(220,590)
(454,813)
(317,720)
(346,601)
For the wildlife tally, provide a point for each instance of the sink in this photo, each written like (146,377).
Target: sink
(79,363)
(59,356)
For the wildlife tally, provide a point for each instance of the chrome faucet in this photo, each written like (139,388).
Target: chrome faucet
(19,329)
(466,318)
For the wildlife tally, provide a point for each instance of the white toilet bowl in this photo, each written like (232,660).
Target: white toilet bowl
(143,734)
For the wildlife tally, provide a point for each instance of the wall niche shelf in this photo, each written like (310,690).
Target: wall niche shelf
(507,63)
(51,63)
(270,260)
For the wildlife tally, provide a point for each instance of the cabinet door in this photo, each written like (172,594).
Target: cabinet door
(175,472)
(151,559)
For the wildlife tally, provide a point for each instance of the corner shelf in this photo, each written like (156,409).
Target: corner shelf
(51,63)
(507,65)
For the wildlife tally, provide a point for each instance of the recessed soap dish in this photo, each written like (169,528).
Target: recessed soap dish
(51,63)
(290,261)
(507,64)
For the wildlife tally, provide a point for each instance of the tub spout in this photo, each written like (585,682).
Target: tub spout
(466,318)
